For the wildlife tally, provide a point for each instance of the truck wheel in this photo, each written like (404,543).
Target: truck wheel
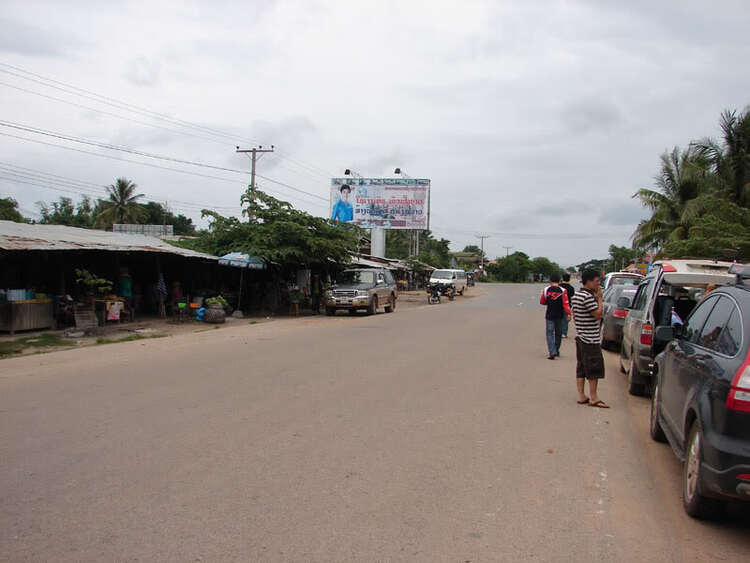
(695,504)
(373,308)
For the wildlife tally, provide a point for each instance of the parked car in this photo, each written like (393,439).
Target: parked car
(701,400)
(447,277)
(362,288)
(621,278)
(615,303)
(672,285)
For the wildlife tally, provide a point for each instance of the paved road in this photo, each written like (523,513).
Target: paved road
(436,434)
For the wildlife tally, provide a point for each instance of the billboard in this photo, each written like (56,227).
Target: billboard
(386,203)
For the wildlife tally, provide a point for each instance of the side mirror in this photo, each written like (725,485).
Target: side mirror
(623,303)
(664,334)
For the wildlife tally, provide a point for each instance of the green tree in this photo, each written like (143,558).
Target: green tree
(513,268)
(620,257)
(544,267)
(121,205)
(730,158)
(683,177)
(65,212)
(9,210)
(432,251)
(276,232)
(154,213)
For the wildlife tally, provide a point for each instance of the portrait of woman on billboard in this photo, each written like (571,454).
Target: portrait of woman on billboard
(343,210)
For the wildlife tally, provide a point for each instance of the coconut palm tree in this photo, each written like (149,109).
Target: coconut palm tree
(683,178)
(730,159)
(122,205)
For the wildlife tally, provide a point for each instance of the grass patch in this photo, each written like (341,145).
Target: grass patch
(130,338)
(12,347)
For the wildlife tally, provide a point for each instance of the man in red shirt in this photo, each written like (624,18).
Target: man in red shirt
(558,308)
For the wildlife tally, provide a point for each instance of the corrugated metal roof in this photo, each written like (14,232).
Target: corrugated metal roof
(22,236)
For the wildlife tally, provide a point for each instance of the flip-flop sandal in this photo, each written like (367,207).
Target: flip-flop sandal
(600,405)
(586,400)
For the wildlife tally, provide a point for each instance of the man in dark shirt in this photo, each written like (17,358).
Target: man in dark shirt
(558,308)
(571,292)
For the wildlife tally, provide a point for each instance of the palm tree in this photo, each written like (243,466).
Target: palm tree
(122,205)
(730,159)
(682,179)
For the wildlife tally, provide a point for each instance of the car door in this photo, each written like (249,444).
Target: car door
(680,364)
(631,333)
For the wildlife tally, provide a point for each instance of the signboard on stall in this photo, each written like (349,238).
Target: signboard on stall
(385,203)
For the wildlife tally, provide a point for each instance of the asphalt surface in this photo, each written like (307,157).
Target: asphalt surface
(438,433)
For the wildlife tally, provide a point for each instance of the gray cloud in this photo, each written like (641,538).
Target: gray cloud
(591,115)
(143,71)
(535,118)
(22,38)
(624,213)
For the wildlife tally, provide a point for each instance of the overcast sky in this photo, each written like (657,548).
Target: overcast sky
(536,121)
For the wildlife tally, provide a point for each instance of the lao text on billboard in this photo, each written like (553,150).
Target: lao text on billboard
(387,203)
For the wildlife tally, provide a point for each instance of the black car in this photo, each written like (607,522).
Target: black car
(701,399)
(615,304)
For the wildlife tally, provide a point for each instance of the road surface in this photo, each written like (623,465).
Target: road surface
(440,433)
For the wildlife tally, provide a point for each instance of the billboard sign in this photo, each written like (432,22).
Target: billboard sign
(386,203)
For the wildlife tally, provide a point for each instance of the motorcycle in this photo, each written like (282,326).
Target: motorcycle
(450,291)
(433,294)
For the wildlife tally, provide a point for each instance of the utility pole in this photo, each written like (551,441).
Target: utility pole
(254,152)
(507,250)
(481,257)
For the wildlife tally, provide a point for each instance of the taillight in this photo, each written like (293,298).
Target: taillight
(619,313)
(667,267)
(739,393)
(647,335)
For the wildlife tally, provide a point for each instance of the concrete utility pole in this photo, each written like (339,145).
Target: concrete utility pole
(254,152)
(481,257)
(507,250)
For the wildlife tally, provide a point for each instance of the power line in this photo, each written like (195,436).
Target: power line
(151,165)
(19,179)
(112,102)
(307,171)
(120,148)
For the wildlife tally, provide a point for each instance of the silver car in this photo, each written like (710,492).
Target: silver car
(362,288)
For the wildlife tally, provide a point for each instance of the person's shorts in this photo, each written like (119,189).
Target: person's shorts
(590,360)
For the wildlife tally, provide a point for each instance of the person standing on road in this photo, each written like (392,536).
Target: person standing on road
(558,308)
(587,312)
(571,292)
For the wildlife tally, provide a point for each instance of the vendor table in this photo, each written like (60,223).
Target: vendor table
(32,314)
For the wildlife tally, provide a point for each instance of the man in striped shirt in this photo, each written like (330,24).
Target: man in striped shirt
(587,313)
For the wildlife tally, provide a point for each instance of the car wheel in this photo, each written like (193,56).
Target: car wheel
(637,389)
(654,427)
(373,309)
(330,311)
(391,304)
(695,504)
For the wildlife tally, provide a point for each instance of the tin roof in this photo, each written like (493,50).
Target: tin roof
(23,236)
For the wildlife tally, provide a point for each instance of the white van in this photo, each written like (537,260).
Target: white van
(446,277)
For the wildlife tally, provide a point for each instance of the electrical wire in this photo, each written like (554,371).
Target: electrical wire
(151,165)
(120,148)
(112,102)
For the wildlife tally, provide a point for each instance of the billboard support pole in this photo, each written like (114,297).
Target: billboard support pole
(377,242)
